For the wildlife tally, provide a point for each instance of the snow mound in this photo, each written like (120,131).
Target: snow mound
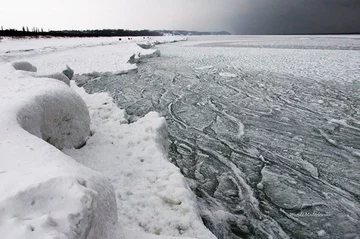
(61,118)
(44,193)
(24,66)
(146,45)
(135,58)
(154,53)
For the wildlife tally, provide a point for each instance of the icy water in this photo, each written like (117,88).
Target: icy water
(265,129)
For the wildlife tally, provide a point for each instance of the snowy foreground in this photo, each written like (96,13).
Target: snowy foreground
(71,166)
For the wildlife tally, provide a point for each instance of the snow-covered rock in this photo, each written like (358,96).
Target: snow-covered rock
(68,72)
(134,59)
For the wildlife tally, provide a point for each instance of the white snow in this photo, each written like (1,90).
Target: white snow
(119,185)
(91,55)
(44,193)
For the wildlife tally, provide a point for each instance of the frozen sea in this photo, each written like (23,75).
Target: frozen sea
(265,128)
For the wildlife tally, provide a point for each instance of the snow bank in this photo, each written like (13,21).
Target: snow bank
(152,195)
(111,59)
(14,47)
(99,59)
(60,118)
(83,55)
(44,193)
(47,194)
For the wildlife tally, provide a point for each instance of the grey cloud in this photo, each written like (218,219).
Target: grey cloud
(299,16)
(237,16)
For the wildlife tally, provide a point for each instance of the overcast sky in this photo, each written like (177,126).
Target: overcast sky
(236,16)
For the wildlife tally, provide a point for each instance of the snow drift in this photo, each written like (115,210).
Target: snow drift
(61,118)
(46,194)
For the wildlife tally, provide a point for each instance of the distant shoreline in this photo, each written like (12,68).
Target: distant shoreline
(102,33)
(137,33)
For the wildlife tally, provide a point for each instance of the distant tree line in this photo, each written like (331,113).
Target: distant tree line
(39,32)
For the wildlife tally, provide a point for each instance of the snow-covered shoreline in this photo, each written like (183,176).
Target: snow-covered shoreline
(47,194)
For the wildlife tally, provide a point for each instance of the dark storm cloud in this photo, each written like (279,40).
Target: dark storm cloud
(237,16)
(299,16)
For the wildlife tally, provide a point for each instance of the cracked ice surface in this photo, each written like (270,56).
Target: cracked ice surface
(266,130)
